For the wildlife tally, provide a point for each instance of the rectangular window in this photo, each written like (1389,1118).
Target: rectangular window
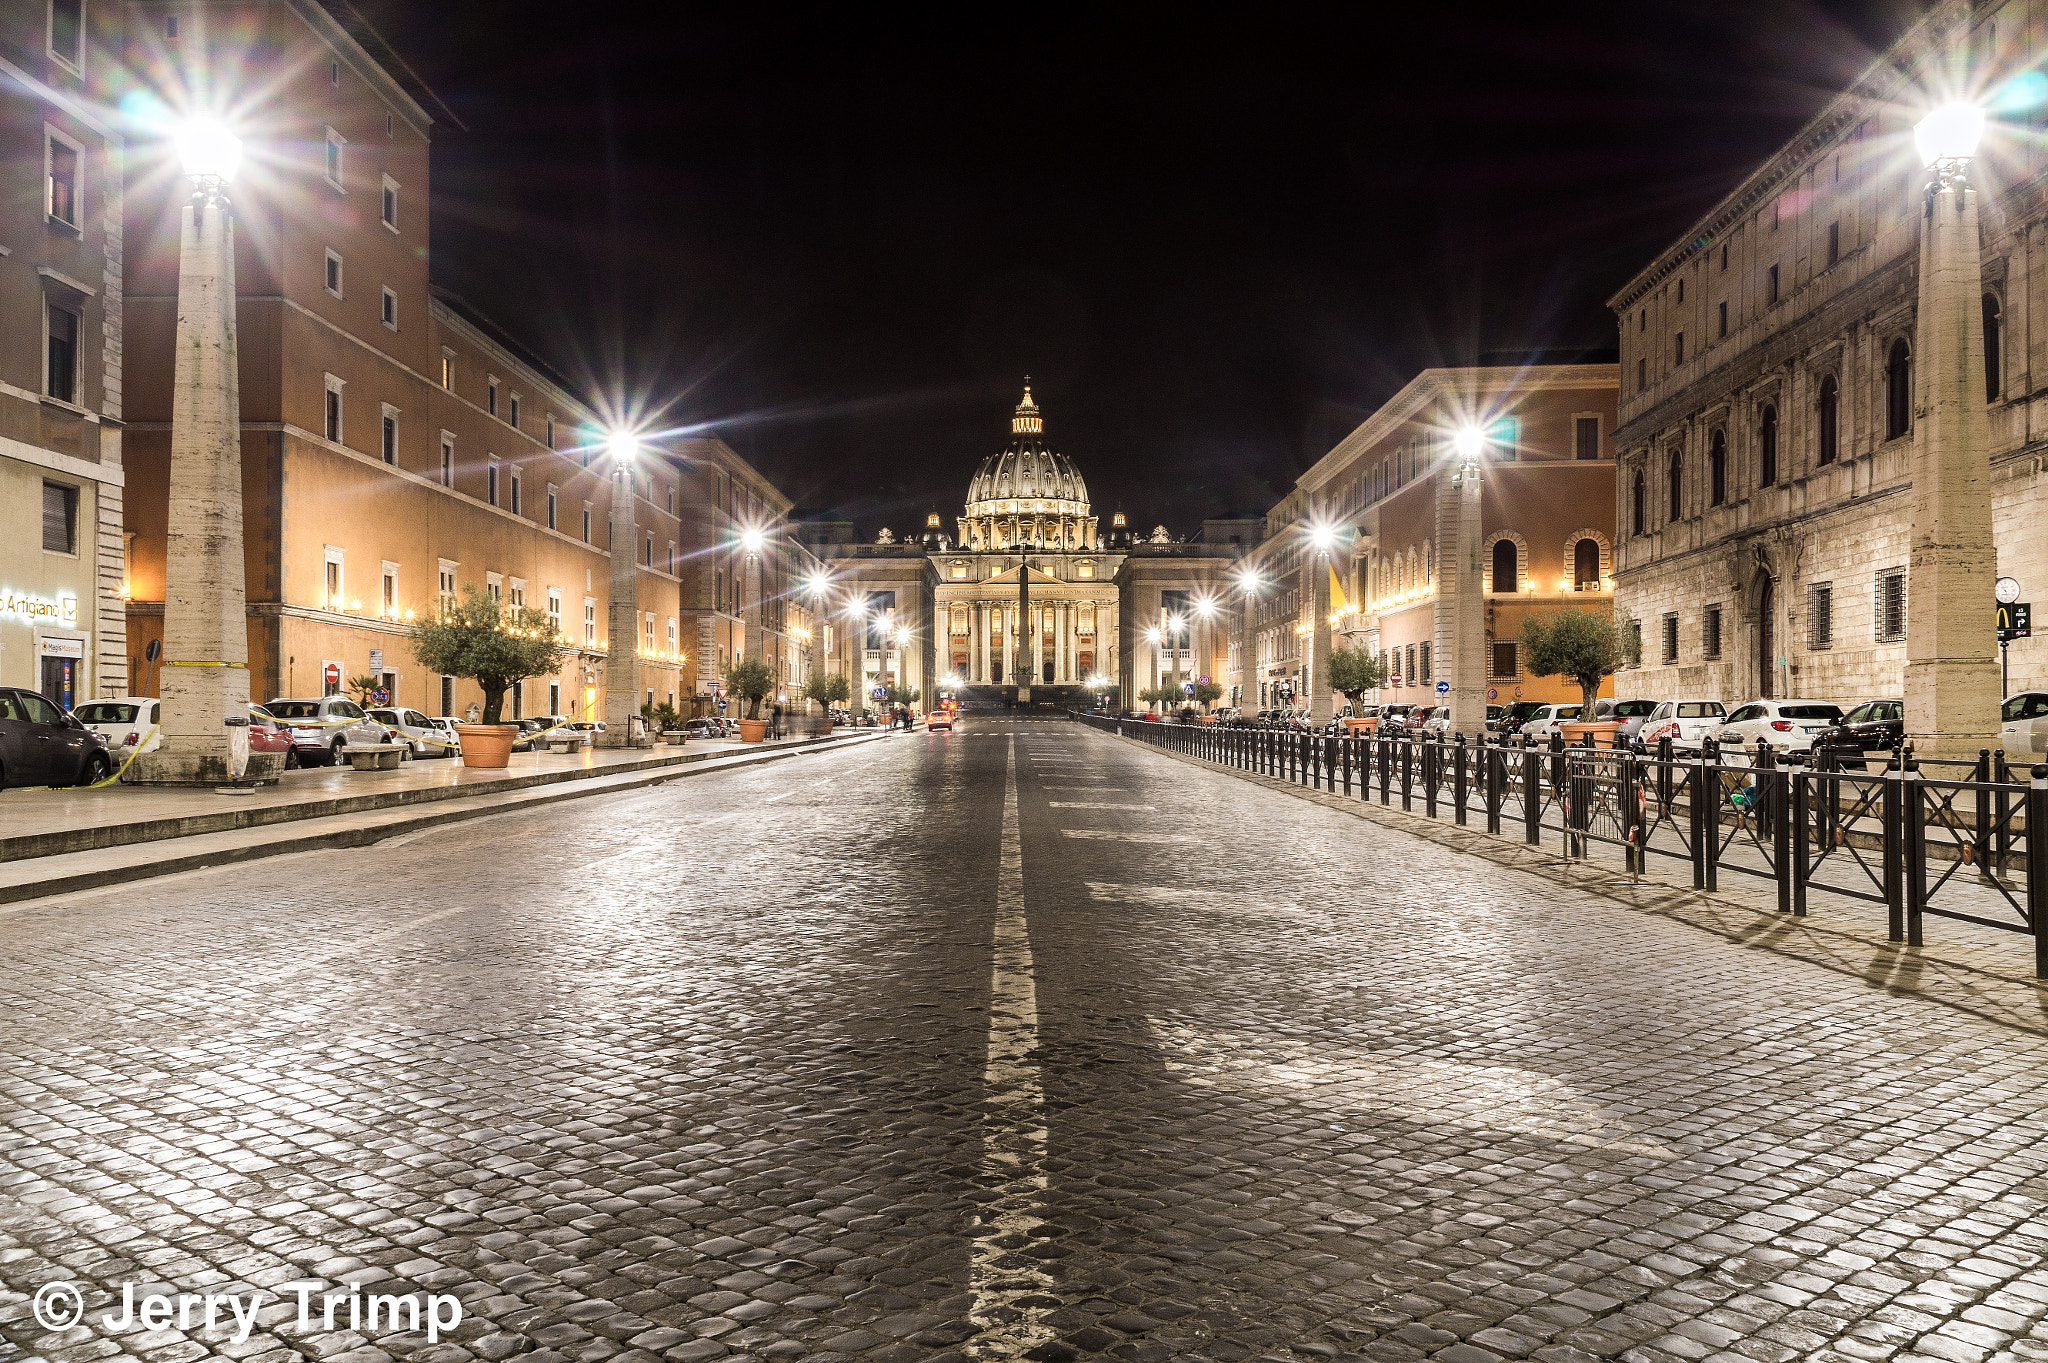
(1723,324)
(1891,605)
(332,277)
(1678,348)
(1771,285)
(518,590)
(1586,437)
(67,32)
(1635,639)
(61,378)
(551,508)
(586,522)
(589,621)
(1426,678)
(448,696)
(1669,643)
(332,398)
(551,430)
(1820,615)
(390,310)
(390,435)
(513,411)
(491,397)
(491,482)
(1724,255)
(517,508)
(335,581)
(60,518)
(555,609)
(1642,375)
(1834,243)
(447,586)
(389,211)
(1408,672)
(447,369)
(1710,633)
(647,635)
(447,461)
(387,605)
(494,586)
(62,200)
(332,167)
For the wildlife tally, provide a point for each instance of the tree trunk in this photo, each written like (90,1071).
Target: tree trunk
(753,707)
(494,704)
(1589,694)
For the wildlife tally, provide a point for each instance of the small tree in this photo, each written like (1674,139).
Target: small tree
(899,696)
(1207,693)
(1580,646)
(828,688)
(750,679)
(1352,672)
(480,640)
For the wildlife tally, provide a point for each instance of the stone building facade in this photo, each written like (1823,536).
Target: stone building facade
(63,382)
(1771,394)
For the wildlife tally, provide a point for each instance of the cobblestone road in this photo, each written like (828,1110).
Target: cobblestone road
(1015,1042)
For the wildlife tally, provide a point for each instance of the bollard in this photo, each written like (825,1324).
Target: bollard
(2037,867)
(1982,841)
(1458,775)
(1914,830)
(1894,849)
(1432,770)
(1407,773)
(1797,825)
(1532,804)
(1493,762)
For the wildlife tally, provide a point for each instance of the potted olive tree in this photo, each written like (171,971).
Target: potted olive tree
(1352,672)
(480,640)
(828,689)
(1584,647)
(750,680)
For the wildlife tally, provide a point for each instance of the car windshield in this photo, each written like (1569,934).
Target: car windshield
(1522,709)
(261,715)
(1831,713)
(295,709)
(1700,709)
(1633,709)
(1569,711)
(107,712)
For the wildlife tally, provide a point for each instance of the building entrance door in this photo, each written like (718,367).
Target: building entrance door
(60,681)
(1767,639)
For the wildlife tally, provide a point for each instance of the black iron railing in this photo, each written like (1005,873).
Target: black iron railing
(1957,840)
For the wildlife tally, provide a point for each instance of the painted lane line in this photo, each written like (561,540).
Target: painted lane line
(773,798)
(1092,790)
(1118,835)
(1085,804)
(1012,1293)
(356,949)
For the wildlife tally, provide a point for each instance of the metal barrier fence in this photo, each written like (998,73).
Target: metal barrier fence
(1957,840)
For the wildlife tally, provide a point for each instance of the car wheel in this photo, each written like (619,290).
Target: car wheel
(405,754)
(336,754)
(95,770)
(291,758)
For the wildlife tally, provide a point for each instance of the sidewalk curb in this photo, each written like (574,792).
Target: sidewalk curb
(1759,927)
(433,815)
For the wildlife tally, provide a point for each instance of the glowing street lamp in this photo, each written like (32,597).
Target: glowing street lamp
(205,687)
(1950,133)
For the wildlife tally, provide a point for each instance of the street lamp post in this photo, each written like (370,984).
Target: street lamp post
(1461,596)
(622,661)
(205,687)
(1173,628)
(1951,689)
(1317,651)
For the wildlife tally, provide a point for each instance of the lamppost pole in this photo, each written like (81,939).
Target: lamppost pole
(622,645)
(205,682)
(1460,590)
(1317,651)
(1951,689)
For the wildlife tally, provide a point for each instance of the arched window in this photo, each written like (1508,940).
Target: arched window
(1767,449)
(1830,419)
(1639,519)
(1898,391)
(1506,569)
(1993,362)
(1586,563)
(1717,469)
(1675,485)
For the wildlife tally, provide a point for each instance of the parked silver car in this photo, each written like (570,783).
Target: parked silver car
(421,736)
(322,727)
(1629,714)
(2023,726)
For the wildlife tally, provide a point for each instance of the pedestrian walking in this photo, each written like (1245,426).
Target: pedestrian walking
(775,721)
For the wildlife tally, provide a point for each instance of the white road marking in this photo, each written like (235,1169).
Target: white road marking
(1118,835)
(1084,804)
(1092,790)
(1014,1139)
(773,798)
(1423,1090)
(306,963)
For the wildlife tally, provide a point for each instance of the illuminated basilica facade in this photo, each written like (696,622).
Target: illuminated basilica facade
(1027,512)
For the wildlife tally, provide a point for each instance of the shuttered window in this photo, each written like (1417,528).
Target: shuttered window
(1820,615)
(60,518)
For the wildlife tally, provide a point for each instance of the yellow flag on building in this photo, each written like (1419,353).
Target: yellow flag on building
(1337,602)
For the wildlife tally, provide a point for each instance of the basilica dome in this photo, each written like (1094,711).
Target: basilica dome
(1028,477)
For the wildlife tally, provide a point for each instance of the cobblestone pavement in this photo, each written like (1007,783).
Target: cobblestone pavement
(1014,1042)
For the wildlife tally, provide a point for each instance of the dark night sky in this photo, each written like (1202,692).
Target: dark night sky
(839,238)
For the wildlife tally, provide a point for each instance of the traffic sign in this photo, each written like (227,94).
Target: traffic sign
(1187,688)
(1442,687)
(333,674)
(881,692)
(721,705)
(1394,680)
(2015,620)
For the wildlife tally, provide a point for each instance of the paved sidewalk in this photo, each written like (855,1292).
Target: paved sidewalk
(68,840)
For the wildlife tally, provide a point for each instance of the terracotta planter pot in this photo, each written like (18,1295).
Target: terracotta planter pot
(1368,725)
(487,746)
(753,730)
(1603,731)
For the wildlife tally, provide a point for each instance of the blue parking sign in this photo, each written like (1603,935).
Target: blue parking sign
(1442,687)
(721,705)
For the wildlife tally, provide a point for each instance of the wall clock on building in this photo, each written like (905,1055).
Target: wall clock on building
(2007,589)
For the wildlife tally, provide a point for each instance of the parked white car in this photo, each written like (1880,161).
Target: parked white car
(421,735)
(1537,728)
(128,723)
(1785,725)
(1685,722)
(2023,726)
(444,726)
